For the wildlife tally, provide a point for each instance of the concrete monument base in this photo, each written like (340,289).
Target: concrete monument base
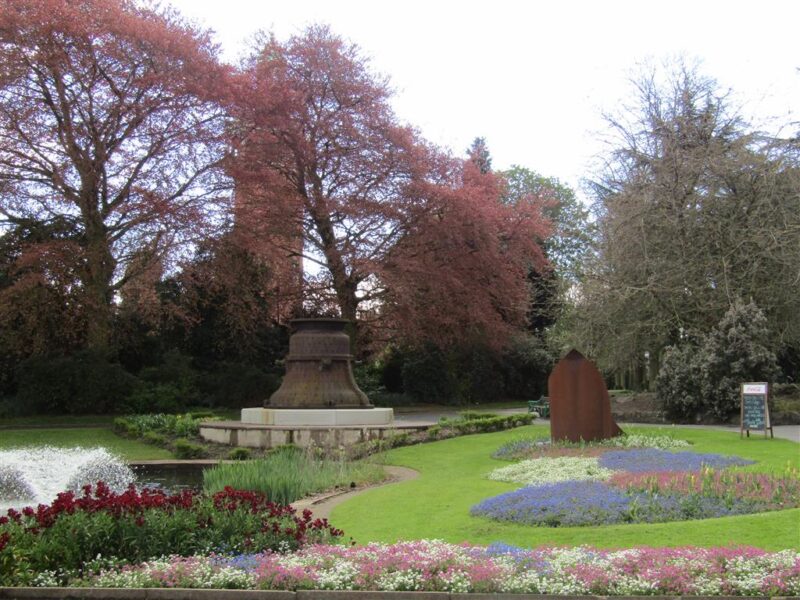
(318,417)
(304,427)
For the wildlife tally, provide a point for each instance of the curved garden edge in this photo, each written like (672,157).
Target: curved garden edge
(198,594)
(7,593)
(322,504)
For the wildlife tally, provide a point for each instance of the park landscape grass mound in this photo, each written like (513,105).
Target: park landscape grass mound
(453,478)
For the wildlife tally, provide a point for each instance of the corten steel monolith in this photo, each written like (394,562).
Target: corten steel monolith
(580,408)
(319,370)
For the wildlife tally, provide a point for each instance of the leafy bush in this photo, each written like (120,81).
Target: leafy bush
(736,350)
(78,384)
(678,381)
(180,425)
(135,526)
(427,377)
(525,367)
(703,377)
(470,373)
(239,454)
(155,397)
(235,385)
(157,439)
(185,449)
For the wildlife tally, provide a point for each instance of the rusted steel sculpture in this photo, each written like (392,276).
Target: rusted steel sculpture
(580,408)
(319,370)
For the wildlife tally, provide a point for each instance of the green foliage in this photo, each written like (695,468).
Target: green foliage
(239,454)
(572,231)
(704,377)
(525,367)
(159,397)
(185,449)
(289,473)
(235,385)
(678,382)
(427,376)
(170,386)
(82,383)
(694,208)
(737,350)
(466,374)
(157,439)
(372,378)
(179,425)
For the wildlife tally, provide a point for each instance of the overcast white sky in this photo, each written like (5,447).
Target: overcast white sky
(534,77)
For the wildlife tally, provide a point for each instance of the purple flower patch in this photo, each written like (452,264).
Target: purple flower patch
(649,459)
(580,503)
(566,503)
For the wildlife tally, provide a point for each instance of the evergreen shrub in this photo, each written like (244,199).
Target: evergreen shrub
(702,377)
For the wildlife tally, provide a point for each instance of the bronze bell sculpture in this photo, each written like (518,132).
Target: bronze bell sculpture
(319,370)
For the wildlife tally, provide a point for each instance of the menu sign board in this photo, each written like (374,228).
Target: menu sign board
(755,408)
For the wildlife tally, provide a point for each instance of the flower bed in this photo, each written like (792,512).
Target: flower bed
(769,492)
(645,486)
(651,459)
(551,470)
(585,503)
(437,566)
(532,447)
(134,526)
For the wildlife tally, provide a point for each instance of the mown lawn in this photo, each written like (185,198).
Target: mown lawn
(452,479)
(129,450)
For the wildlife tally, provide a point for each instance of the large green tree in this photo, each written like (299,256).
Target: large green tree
(695,211)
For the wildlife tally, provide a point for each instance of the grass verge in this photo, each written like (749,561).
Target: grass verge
(453,478)
(126,449)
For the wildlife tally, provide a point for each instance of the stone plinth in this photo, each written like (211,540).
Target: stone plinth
(318,417)
(252,435)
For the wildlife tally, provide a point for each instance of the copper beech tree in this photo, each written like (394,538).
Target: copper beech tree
(405,239)
(108,123)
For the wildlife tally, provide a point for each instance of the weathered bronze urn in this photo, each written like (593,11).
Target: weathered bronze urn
(319,370)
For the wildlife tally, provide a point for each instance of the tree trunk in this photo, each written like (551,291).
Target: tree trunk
(97,276)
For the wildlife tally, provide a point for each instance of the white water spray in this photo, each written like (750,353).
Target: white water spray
(30,476)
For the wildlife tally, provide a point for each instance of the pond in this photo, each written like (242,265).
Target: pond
(171,477)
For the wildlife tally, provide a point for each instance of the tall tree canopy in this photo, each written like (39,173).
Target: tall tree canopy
(403,235)
(106,124)
(696,211)
(566,248)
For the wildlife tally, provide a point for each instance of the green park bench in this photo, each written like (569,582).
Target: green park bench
(540,406)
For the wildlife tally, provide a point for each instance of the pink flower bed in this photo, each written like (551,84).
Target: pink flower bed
(437,566)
